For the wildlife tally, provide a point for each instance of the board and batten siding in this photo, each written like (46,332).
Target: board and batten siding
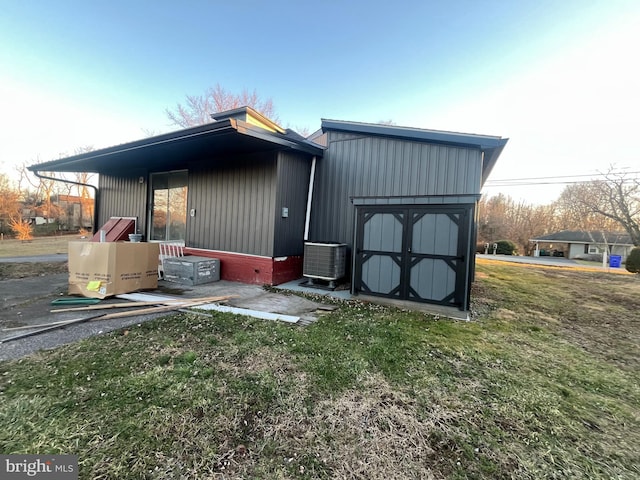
(293,186)
(234,203)
(123,197)
(376,166)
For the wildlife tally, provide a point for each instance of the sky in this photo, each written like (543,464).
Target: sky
(560,79)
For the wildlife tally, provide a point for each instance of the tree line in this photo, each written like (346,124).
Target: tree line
(610,204)
(27,200)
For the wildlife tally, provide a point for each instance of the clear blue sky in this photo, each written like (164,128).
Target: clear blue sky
(560,78)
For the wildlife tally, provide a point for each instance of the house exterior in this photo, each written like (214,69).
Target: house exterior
(248,192)
(582,244)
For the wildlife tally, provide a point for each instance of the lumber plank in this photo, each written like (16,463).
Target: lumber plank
(130,313)
(179,302)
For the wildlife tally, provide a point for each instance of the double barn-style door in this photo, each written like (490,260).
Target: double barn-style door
(416,253)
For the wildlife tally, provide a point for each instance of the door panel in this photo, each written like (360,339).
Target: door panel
(434,233)
(383,232)
(381,274)
(414,252)
(380,265)
(431,279)
(434,260)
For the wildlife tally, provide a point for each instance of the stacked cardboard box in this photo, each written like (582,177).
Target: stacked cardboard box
(99,270)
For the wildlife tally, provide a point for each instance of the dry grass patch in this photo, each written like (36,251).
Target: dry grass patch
(505,314)
(379,430)
(594,310)
(38,246)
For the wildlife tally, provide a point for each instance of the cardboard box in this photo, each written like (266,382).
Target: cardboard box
(191,270)
(99,270)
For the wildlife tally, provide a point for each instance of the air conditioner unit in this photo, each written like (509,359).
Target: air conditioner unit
(324,261)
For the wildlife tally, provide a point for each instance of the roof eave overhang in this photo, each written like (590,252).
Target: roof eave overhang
(98,161)
(580,242)
(491,155)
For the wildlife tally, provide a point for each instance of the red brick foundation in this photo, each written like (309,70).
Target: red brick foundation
(253,269)
(286,269)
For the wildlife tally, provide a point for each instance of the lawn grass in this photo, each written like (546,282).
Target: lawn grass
(543,383)
(37,246)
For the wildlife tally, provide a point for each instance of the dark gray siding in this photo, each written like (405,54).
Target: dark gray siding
(370,166)
(293,186)
(234,203)
(123,197)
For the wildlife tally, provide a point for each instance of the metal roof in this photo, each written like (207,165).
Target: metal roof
(490,145)
(195,144)
(580,236)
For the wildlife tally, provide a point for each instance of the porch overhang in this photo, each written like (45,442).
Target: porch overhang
(176,150)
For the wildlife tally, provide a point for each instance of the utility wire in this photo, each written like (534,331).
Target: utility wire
(514,182)
(562,176)
(524,184)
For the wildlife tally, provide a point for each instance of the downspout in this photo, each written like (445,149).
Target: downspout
(307,219)
(96,195)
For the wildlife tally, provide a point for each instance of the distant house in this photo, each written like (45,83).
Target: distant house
(75,211)
(581,244)
(246,191)
(40,220)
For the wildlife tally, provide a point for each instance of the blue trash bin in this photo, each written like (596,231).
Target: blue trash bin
(615,261)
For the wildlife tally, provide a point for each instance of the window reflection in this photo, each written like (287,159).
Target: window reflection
(169,214)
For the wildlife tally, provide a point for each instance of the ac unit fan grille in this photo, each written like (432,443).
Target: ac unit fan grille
(325,261)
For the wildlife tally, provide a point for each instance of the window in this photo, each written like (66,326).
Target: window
(169,206)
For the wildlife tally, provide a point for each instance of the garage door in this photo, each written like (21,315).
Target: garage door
(413,253)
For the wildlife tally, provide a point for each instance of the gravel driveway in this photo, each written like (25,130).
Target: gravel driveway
(27,301)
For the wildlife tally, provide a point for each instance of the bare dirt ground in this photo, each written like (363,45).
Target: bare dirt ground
(12,271)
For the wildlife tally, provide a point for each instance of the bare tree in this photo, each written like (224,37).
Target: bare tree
(197,109)
(9,203)
(502,218)
(84,194)
(575,215)
(150,132)
(302,131)
(492,223)
(39,200)
(528,221)
(38,193)
(86,200)
(616,199)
